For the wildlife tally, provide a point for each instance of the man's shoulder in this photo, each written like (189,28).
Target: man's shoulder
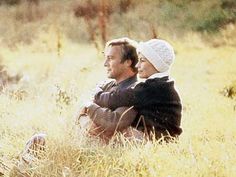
(133,85)
(107,84)
(129,82)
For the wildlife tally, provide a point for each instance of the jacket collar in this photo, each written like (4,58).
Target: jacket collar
(127,82)
(159,75)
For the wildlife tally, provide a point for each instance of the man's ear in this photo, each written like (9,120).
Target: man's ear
(128,62)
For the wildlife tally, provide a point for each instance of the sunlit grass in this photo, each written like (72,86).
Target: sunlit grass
(205,148)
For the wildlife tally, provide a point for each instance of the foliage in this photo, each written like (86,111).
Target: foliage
(10,2)
(99,21)
(59,71)
(230,91)
(6,78)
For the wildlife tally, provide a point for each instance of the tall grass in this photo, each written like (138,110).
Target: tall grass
(55,86)
(206,147)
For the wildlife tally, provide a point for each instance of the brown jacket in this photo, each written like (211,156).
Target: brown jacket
(110,121)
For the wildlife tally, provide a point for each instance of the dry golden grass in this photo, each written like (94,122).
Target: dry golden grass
(56,83)
(206,147)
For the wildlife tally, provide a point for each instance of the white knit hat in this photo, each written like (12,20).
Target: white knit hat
(159,53)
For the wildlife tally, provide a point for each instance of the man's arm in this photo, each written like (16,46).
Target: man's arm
(115,99)
(109,120)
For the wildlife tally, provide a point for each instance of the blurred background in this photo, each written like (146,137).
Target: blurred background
(51,59)
(91,21)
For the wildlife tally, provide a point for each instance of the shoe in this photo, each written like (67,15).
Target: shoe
(34,150)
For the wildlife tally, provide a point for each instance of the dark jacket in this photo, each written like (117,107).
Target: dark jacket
(155,99)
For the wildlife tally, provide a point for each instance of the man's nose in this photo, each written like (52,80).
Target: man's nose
(105,63)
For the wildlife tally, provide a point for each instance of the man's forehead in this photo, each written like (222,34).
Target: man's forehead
(112,50)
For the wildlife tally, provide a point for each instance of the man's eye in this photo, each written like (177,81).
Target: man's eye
(141,60)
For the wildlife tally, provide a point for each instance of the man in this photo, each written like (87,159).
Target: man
(156,100)
(120,61)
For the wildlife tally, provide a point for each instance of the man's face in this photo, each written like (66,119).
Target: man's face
(115,69)
(145,68)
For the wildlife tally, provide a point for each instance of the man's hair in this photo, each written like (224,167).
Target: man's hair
(128,52)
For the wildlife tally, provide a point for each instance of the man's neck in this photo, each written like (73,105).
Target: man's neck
(125,77)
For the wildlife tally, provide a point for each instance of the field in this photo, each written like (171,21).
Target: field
(57,81)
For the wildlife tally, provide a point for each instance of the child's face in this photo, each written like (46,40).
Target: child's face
(145,68)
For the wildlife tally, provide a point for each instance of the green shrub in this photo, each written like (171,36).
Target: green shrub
(212,22)
(198,15)
(10,2)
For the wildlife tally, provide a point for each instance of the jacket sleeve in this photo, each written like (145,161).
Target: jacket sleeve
(116,99)
(109,120)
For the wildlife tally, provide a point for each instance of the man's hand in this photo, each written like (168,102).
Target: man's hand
(83,112)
